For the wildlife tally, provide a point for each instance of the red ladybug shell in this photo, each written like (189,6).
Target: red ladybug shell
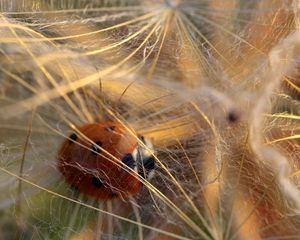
(92,171)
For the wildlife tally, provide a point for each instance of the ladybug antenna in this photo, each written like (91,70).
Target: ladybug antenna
(102,99)
(100,86)
(125,90)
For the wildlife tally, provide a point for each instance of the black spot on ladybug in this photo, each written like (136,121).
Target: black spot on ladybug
(97,182)
(128,160)
(232,117)
(113,195)
(110,128)
(95,148)
(72,138)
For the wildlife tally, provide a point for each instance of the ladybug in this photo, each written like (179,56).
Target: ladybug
(90,161)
